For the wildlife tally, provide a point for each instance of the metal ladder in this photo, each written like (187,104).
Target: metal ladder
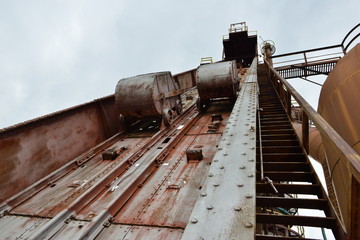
(286,181)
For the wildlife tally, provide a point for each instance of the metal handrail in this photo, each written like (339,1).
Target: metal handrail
(330,135)
(347,35)
(341,148)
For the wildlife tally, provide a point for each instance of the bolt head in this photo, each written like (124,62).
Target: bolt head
(248,195)
(237,208)
(248,225)
(194,220)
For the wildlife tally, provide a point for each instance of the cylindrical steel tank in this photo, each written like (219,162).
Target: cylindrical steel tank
(147,95)
(217,80)
(338,105)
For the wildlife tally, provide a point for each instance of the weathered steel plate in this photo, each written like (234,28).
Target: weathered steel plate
(18,227)
(127,232)
(168,197)
(53,199)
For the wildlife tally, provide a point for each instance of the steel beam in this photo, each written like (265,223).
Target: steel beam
(229,192)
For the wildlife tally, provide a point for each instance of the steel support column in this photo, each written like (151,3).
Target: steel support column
(226,205)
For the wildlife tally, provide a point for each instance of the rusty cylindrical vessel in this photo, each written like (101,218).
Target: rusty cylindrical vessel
(148,95)
(217,80)
(338,105)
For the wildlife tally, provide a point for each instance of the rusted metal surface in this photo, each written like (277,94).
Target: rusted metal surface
(31,150)
(56,197)
(19,227)
(186,80)
(217,80)
(228,193)
(117,231)
(147,95)
(82,193)
(336,106)
(27,155)
(155,203)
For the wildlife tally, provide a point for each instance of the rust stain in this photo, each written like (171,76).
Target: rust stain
(9,149)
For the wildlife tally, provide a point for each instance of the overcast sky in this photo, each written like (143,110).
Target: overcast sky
(57,54)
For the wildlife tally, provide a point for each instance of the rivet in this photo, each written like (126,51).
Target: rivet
(221,167)
(251,160)
(243,153)
(245,143)
(209,207)
(242,167)
(211,175)
(203,194)
(219,148)
(216,160)
(225,154)
(228,143)
(250,175)
(240,185)
(252,148)
(248,225)
(246,134)
(216,184)
(237,208)
(248,195)
(194,220)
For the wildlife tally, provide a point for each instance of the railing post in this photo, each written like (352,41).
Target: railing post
(288,103)
(305,71)
(305,131)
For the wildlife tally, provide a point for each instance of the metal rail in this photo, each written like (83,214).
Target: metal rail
(260,146)
(343,150)
(56,175)
(60,219)
(352,40)
(320,66)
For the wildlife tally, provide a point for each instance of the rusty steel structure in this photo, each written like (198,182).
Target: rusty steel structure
(170,157)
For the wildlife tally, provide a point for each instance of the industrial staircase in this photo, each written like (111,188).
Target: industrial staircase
(286,181)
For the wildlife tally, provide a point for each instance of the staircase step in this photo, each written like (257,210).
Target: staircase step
(284,157)
(283,188)
(285,166)
(280,143)
(268,237)
(288,176)
(282,149)
(323,222)
(320,204)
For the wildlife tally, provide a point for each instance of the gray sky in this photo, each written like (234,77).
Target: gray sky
(57,54)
